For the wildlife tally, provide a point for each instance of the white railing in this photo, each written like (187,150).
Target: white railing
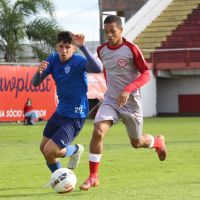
(187,58)
(171,49)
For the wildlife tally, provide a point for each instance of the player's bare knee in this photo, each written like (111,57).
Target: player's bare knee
(48,153)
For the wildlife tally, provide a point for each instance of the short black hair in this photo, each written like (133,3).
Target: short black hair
(113,18)
(65,36)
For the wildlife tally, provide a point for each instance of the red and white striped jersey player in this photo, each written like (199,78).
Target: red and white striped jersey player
(125,71)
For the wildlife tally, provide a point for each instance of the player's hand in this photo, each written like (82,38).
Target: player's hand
(42,66)
(123,98)
(78,40)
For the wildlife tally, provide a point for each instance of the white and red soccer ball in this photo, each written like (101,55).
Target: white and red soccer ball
(63,180)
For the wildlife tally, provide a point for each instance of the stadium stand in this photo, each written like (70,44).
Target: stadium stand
(178,26)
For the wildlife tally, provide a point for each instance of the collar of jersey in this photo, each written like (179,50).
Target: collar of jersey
(65,61)
(117,46)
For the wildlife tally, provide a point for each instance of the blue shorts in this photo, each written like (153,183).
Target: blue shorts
(63,130)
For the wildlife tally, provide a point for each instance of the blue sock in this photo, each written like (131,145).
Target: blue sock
(54,167)
(70,150)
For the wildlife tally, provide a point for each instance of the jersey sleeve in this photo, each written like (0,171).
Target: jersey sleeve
(92,65)
(47,71)
(82,63)
(142,67)
(38,78)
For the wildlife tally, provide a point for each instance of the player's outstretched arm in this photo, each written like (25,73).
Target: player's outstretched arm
(93,64)
(38,78)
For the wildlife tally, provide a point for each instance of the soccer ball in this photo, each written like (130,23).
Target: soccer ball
(63,180)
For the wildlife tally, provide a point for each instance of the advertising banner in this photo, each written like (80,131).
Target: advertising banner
(16,87)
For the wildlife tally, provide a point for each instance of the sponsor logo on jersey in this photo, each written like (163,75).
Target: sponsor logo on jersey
(122,62)
(67,69)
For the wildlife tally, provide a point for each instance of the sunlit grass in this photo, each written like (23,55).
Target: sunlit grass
(125,173)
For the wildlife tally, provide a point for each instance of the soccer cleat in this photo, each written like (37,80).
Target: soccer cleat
(75,158)
(160,147)
(90,182)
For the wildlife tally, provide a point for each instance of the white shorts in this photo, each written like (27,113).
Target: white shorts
(132,121)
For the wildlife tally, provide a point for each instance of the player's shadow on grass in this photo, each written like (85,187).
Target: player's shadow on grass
(16,188)
(14,195)
(23,195)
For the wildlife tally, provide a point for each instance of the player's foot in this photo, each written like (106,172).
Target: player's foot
(75,158)
(160,147)
(90,182)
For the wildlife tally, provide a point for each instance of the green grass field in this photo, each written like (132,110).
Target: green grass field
(125,173)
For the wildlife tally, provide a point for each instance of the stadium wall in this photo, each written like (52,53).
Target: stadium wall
(148,93)
(169,89)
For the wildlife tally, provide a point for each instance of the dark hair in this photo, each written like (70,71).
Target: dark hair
(113,18)
(65,36)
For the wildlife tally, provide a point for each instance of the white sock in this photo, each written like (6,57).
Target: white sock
(94,157)
(152,142)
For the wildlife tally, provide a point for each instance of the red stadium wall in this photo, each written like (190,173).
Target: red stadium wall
(16,87)
(189,104)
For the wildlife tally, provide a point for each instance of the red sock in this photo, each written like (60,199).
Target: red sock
(94,169)
(156,142)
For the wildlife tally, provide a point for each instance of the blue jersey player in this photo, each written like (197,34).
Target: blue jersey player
(68,70)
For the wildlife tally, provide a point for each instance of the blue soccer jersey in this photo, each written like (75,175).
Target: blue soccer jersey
(71,82)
